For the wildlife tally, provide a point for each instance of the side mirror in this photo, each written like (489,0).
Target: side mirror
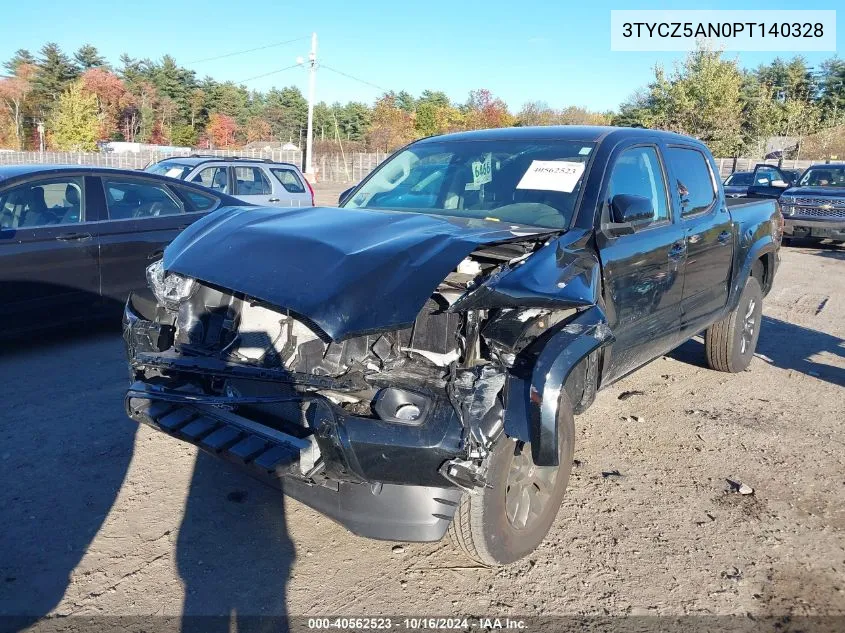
(344,196)
(628,209)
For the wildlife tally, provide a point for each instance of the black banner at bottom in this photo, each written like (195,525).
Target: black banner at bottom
(530,624)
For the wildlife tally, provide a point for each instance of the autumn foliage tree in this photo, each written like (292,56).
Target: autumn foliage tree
(114,101)
(257,129)
(483,110)
(221,130)
(391,126)
(13,94)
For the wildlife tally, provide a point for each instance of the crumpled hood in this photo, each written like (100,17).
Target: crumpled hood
(349,271)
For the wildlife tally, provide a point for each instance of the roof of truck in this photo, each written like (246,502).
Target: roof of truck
(586,133)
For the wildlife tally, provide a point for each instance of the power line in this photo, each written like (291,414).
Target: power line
(249,50)
(272,72)
(334,70)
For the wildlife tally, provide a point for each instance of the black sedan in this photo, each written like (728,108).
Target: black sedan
(76,240)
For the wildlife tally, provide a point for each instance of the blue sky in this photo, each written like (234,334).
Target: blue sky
(554,51)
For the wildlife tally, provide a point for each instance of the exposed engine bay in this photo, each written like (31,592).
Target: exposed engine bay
(447,357)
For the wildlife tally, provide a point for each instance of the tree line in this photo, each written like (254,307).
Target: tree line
(735,111)
(53,100)
(70,102)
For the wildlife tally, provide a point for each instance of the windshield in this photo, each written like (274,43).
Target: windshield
(823,176)
(170,168)
(524,182)
(740,179)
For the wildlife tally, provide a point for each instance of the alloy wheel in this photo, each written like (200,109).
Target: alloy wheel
(529,488)
(748,325)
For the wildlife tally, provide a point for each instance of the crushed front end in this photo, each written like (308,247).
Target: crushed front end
(382,432)
(366,362)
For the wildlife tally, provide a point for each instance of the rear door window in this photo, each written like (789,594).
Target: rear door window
(290,181)
(43,203)
(250,181)
(128,198)
(693,180)
(215,178)
(198,201)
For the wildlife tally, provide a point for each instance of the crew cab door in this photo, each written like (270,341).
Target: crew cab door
(48,252)
(643,265)
(708,231)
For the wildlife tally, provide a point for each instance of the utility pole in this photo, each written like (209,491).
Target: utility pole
(312,84)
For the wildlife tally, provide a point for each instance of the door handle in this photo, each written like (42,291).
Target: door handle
(74,237)
(274,200)
(724,237)
(678,250)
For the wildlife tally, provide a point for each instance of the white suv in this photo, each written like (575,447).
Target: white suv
(253,180)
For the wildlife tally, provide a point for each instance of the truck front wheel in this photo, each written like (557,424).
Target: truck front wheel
(507,520)
(730,343)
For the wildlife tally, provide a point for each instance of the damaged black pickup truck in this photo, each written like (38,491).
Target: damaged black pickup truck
(410,362)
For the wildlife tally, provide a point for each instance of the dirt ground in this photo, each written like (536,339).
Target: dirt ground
(100,516)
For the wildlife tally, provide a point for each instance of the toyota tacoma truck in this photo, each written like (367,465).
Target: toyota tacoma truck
(410,362)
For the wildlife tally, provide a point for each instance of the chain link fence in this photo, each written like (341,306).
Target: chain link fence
(339,168)
(727,166)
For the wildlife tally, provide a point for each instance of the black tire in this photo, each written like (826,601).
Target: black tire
(483,527)
(730,343)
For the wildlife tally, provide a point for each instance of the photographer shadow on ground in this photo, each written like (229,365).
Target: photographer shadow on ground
(788,346)
(233,552)
(65,448)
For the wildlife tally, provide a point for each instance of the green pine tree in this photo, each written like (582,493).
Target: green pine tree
(88,57)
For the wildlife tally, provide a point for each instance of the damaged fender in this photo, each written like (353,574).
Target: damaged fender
(544,337)
(533,402)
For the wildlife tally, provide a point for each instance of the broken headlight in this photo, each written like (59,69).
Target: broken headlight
(169,288)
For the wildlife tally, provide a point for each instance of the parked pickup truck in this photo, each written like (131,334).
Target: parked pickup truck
(412,361)
(814,206)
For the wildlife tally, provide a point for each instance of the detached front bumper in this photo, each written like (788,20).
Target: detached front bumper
(376,478)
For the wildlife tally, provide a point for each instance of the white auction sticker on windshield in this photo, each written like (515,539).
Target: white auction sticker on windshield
(173,172)
(482,170)
(552,175)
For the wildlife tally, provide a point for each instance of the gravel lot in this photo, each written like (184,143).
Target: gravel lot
(102,517)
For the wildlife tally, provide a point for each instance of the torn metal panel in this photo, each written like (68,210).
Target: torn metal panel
(476,394)
(564,273)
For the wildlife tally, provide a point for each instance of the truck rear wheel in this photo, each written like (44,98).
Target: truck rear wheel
(730,343)
(506,521)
